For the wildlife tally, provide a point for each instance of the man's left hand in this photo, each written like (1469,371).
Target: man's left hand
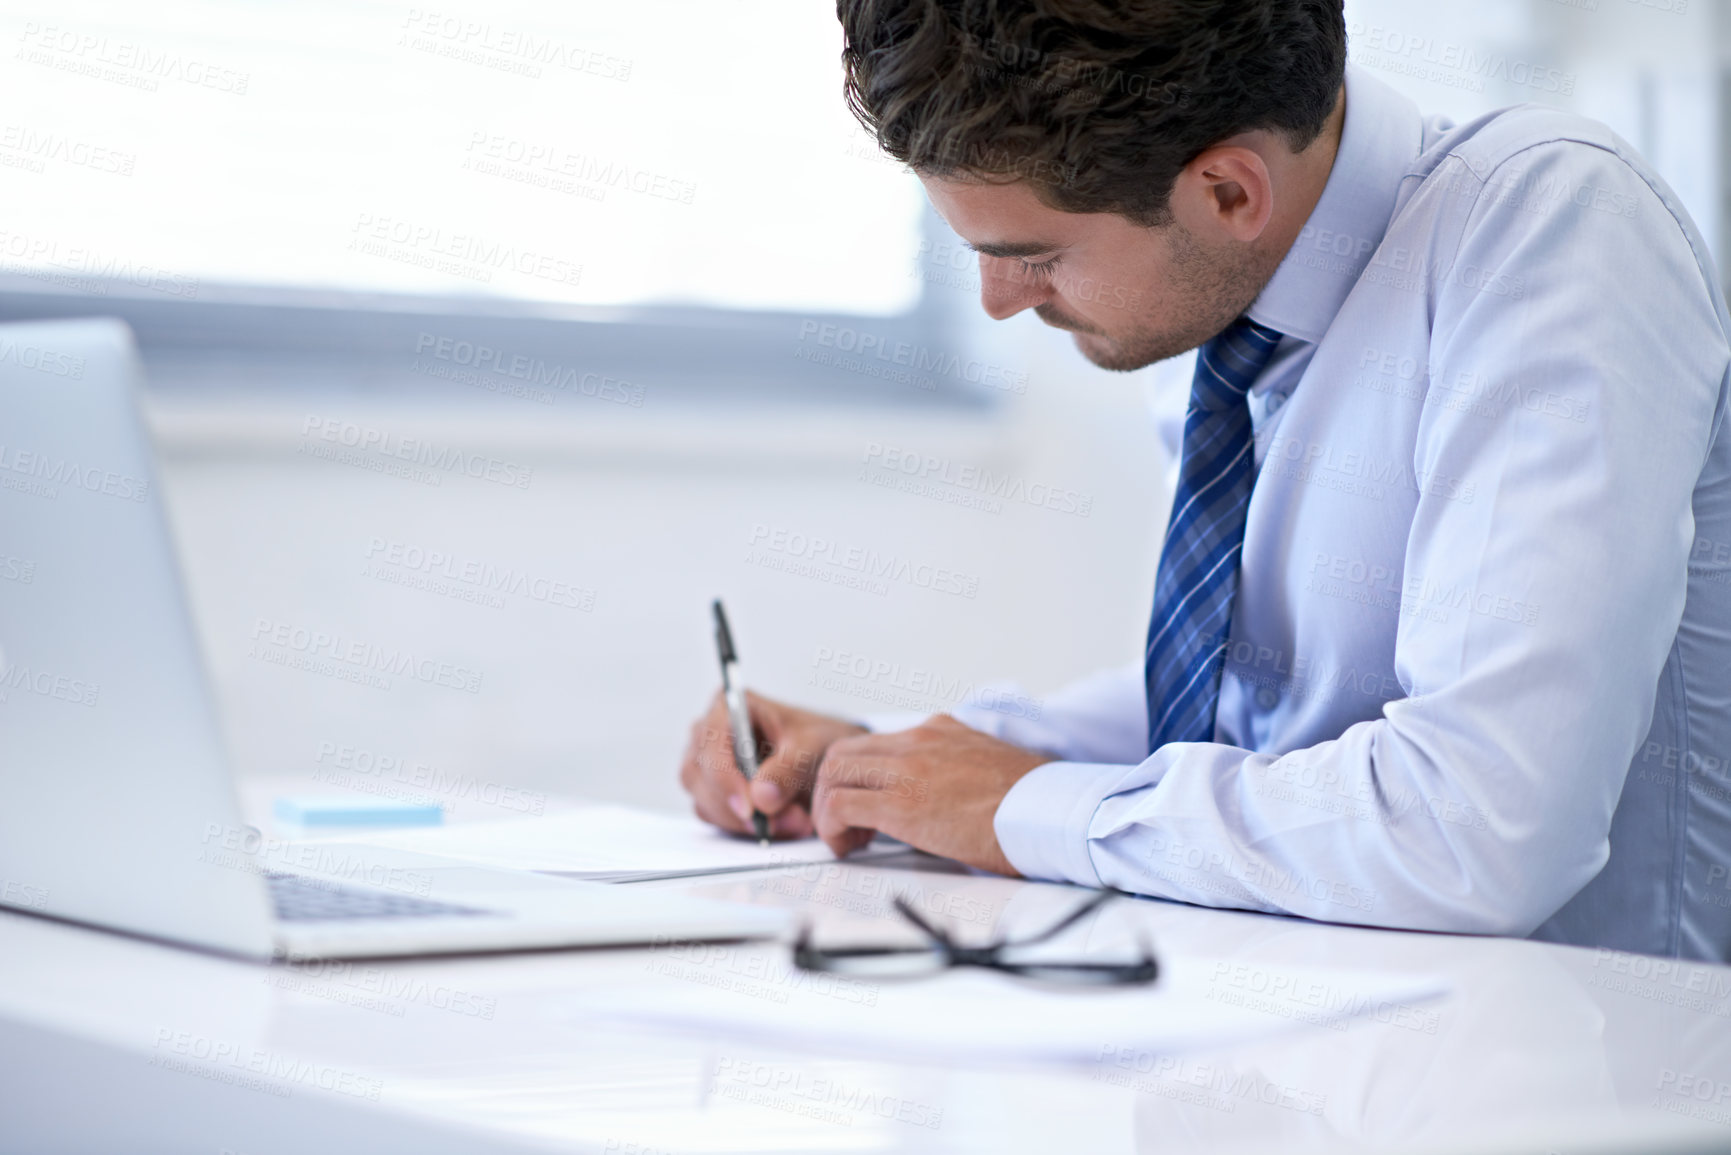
(936,787)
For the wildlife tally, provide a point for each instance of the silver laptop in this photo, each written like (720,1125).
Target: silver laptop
(117,807)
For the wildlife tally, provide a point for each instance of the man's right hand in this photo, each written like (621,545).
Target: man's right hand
(796,741)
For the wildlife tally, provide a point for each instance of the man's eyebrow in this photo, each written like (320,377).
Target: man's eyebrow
(1012,248)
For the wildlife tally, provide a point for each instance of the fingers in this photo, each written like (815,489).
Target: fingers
(859,761)
(719,792)
(784,779)
(713,807)
(791,743)
(709,774)
(837,815)
(789,754)
(846,819)
(794,822)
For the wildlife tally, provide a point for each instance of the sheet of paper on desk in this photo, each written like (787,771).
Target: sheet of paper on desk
(972,1016)
(606,843)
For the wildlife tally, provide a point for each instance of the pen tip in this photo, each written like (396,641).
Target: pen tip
(763,842)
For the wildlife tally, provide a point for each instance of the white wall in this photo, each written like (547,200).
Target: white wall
(655,512)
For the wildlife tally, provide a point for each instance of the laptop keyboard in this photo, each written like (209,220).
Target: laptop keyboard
(300,899)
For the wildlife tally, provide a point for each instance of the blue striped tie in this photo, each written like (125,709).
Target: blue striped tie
(1198,574)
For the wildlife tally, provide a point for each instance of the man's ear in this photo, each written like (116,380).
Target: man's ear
(1225,192)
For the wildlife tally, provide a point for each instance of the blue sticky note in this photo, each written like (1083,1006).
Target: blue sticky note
(340,811)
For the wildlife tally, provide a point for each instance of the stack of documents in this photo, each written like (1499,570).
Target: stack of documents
(607,843)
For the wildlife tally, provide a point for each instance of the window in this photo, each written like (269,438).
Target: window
(681,174)
(662,151)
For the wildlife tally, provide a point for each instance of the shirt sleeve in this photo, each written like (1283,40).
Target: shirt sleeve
(1521,716)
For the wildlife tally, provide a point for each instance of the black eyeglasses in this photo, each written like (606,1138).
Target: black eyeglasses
(941,953)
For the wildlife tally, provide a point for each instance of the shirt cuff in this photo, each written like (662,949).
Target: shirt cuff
(1042,823)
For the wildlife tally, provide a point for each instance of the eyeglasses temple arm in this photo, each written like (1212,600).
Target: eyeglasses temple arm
(1068,920)
(913,916)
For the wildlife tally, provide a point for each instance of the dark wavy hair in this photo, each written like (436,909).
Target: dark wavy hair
(1098,104)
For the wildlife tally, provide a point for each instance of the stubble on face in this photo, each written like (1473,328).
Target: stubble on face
(1209,288)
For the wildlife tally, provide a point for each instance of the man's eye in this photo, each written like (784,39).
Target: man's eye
(1037,268)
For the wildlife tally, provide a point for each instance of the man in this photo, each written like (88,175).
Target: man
(1442,624)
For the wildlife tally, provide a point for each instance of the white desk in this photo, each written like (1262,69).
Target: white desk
(1540,1049)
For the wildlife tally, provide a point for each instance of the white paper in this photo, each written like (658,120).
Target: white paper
(606,843)
(973,1016)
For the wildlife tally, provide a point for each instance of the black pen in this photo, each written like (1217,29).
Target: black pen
(744,738)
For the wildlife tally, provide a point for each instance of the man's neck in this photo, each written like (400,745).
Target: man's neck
(1307,179)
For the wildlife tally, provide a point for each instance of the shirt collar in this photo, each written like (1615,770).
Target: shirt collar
(1382,135)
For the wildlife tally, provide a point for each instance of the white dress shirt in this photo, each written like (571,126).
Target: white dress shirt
(1479,673)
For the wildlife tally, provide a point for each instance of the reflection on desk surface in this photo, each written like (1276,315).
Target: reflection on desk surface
(1581,1045)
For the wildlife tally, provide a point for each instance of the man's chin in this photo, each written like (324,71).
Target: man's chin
(1108,354)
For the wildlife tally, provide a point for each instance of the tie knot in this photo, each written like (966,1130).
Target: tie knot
(1228,365)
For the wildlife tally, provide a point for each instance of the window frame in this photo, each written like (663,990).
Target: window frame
(229,340)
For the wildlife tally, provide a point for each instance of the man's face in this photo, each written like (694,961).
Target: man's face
(1131,295)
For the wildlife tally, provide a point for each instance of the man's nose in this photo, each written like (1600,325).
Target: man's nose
(1005,289)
